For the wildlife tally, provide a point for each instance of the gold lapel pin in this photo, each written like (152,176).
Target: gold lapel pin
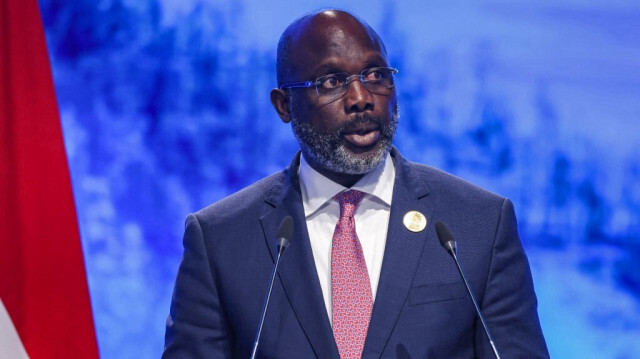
(414,221)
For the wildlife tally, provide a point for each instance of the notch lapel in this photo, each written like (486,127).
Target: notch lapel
(401,256)
(297,272)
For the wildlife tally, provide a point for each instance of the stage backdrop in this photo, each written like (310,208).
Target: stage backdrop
(165,109)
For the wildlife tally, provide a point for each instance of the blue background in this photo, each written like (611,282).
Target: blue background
(165,109)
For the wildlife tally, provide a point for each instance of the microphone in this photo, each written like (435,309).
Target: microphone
(284,236)
(449,243)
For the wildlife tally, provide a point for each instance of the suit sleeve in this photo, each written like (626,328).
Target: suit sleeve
(196,326)
(509,303)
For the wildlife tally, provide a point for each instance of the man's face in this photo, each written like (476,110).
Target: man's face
(353,134)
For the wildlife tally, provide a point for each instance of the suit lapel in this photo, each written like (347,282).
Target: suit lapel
(297,270)
(401,258)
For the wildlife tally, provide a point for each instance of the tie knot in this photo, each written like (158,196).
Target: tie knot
(349,201)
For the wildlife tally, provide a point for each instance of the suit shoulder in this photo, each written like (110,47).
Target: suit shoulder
(453,187)
(246,201)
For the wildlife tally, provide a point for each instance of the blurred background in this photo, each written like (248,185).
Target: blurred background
(165,109)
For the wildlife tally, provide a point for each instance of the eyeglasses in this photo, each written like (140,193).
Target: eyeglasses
(377,80)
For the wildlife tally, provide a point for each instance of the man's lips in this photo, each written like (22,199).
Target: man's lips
(363,137)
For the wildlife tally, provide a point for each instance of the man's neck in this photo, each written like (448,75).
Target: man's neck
(346,180)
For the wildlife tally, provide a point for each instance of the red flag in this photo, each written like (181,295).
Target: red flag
(42,276)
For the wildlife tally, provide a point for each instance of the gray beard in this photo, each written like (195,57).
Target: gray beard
(326,150)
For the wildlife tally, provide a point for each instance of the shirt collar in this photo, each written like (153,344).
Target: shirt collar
(318,189)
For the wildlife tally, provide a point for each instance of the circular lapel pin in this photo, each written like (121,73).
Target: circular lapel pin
(414,221)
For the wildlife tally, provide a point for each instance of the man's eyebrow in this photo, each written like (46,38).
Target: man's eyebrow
(331,67)
(327,68)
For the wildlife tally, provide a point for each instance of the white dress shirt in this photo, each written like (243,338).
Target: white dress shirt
(371,219)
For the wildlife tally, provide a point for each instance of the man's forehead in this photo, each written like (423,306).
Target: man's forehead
(333,35)
(330,27)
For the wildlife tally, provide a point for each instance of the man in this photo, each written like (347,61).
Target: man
(364,275)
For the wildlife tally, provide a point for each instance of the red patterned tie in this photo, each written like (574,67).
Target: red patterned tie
(351,298)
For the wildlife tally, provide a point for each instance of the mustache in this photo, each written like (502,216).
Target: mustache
(357,121)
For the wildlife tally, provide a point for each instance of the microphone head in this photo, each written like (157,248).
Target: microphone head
(445,237)
(285,232)
(283,243)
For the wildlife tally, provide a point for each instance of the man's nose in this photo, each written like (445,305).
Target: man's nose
(357,98)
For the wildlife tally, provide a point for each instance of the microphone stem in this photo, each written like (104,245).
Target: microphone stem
(266,303)
(475,304)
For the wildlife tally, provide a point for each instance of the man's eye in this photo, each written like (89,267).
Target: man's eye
(330,82)
(374,75)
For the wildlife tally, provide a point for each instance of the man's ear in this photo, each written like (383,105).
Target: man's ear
(280,102)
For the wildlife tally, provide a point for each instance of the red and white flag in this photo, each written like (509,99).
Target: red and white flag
(45,308)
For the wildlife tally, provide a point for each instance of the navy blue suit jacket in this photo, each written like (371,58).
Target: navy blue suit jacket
(421,308)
